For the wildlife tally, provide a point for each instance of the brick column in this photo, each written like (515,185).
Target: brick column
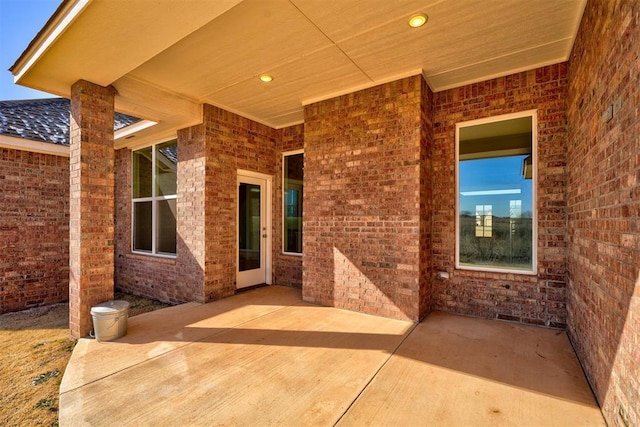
(91,234)
(191,207)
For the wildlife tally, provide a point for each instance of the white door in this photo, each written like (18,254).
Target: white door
(254,225)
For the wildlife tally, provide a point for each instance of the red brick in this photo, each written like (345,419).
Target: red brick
(604,207)
(209,156)
(91,233)
(287,269)
(365,191)
(479,293)
(34,229)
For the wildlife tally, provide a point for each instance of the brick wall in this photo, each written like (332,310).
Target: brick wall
(151,277)
(34,229)
(604,205)
(233,142)
(287,269)
(426,197)
(540,299)
(209,156)
(362,223)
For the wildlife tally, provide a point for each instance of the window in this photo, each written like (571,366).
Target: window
(154,199)
(496,226)
(293,177)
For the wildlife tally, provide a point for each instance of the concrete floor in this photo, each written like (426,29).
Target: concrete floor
(264,357)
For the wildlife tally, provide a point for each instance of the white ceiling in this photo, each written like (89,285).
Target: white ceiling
(167,58)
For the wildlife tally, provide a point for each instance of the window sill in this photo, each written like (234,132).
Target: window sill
(496,270)
(153,256)
(292,254)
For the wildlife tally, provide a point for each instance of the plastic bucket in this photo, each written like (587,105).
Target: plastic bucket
(110,320)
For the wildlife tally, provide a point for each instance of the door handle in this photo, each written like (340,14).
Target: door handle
(264,236)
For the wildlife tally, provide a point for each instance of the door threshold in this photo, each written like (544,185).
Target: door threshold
(250,288)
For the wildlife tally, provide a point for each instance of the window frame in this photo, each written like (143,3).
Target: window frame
(534,226)
(153,199)
(283,200)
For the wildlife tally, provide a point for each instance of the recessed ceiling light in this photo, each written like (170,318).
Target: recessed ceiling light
(418,20)
(266,78)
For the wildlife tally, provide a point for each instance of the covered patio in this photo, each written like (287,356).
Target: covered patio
(265,357)
(329,140)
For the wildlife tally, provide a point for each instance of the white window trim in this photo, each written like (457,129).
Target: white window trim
(534,227)
(282,195)
(153,200)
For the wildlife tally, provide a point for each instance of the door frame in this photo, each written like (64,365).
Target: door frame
(266,210)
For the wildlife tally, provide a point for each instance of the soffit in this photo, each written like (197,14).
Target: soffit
(213,52)
(514,126)
(105,39)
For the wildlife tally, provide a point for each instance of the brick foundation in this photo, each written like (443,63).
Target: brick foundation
(91,231)
(541,299)
(363,193)
(34,229)
(604,205)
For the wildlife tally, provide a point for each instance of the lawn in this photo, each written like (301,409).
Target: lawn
(35,350)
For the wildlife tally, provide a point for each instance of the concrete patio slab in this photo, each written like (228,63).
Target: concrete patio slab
(300,362)
(460,371)
(264,357)
(152,334)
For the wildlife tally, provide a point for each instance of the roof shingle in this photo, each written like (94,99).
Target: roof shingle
(44,120)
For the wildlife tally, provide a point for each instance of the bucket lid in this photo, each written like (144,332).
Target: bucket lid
(110,307)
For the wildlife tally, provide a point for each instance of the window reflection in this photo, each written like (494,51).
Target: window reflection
(292,199)
(496,195)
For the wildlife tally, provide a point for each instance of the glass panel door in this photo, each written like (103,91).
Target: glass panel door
(253,240)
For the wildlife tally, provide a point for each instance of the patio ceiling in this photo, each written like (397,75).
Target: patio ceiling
(167,58)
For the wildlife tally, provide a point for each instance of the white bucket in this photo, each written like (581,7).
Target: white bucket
(110,320)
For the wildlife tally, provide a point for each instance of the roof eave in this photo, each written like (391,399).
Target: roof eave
(33,146)
(64,15)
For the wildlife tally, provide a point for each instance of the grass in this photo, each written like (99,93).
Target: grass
(35,351)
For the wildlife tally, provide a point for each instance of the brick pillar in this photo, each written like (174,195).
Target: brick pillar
(91,231)
(191,206)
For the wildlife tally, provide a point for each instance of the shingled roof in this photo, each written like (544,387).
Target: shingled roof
(44,120)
